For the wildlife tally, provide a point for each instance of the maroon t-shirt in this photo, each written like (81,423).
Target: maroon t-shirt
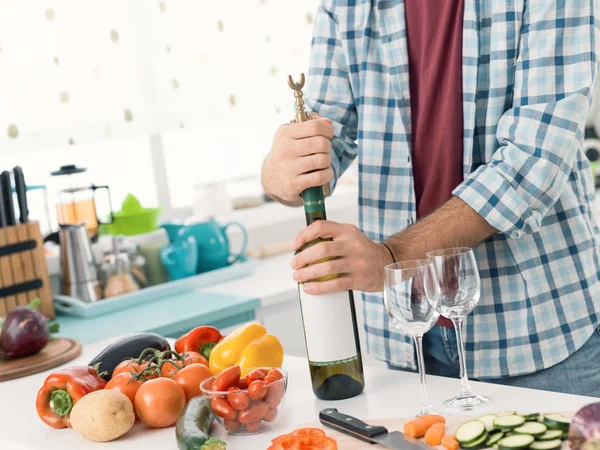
(434,31)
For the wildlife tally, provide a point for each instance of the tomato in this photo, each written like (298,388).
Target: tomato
(252,427)
(275,393)
(270,415)
(229,377)
(222,408)
(256,374)
(193,358)
(257,390)
(170,368)
(239,400)
(190,377)
(308,432)
(284,442)
(124,384)
(311,442)
(253,413)
(128,366)
(243,384)
(158,402)
(275,374)
(232,425)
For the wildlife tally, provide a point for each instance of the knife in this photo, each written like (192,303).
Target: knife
(354,427)
(2,213)
(9,209)
(21,189)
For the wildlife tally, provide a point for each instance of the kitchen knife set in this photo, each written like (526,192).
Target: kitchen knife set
(8,216)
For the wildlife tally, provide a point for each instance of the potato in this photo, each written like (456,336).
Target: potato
(102,416)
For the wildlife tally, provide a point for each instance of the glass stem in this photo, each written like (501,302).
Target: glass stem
(465,387)
(425,407)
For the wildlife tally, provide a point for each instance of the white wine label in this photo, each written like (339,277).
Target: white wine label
(328,327)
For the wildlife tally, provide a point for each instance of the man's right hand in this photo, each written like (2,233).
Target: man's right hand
(300,158)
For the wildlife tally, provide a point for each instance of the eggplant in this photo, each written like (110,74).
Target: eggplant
(127,347)
(584,432)
(24,332)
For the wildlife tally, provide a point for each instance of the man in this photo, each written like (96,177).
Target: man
(467,117)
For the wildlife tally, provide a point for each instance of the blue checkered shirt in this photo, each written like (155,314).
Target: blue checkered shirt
(529,67)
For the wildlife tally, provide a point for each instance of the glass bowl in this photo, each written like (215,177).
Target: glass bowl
(244,411)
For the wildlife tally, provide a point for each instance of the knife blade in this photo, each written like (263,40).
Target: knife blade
(9,209)
(21,189)
(354,427)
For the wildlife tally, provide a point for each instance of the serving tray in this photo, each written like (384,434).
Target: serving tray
(75,307)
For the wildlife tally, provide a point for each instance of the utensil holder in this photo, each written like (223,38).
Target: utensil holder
(23,270)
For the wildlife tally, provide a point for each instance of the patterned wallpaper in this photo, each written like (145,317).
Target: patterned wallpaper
(78,71)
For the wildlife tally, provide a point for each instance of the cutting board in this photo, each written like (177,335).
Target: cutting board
(57,352)
(346,442)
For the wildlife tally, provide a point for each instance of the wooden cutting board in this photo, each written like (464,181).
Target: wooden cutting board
(57,352)
(346,442)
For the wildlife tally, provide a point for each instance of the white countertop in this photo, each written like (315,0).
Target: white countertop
(388,394)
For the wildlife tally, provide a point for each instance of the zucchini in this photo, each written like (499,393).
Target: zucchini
(479,443)
(470,432)
(507,413)
(192,427)
(565,435)
(488,421)
(554,444)
(550,435)
(493,438)
(532,416)
(508,422)
(557,422)
(515,442)
(535,429)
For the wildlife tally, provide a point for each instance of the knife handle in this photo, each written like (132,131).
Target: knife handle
(6,186)
(332,418)
(21,189)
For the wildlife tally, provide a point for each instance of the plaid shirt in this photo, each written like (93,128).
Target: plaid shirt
(529,67)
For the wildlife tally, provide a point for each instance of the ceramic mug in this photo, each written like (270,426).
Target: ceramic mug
(180,258)
(213,244)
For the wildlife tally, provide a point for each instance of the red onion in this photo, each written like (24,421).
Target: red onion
(584,432)
(24,332)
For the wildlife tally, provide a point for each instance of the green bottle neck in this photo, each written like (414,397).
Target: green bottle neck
(314,204)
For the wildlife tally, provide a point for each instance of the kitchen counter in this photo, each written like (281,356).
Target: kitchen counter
(388,394)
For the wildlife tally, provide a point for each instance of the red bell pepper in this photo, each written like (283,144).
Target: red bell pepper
(61,390)
(201,340)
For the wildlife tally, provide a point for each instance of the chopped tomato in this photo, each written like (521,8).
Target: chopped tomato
(310,442)
(308,432)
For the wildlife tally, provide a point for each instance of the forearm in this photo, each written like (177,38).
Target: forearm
(455,224)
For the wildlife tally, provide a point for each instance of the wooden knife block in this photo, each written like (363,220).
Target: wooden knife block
(23,270)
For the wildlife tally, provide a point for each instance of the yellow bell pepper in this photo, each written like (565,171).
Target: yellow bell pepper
(249,346)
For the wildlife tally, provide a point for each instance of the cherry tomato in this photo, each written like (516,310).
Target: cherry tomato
(128,366)
(275,374)
(232,425)
(256,374)
(253,413)
(193,358)
(125,384)
(243,384)
(158,402)
(257,390)
(275,393)
(229,377)
(222,408)
(270,415)
(252,427)
(308,432)
(190,377)
(239,400)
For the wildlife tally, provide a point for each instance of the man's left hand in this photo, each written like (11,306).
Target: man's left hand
(358,260)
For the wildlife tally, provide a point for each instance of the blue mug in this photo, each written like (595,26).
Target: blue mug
(180,258)
(213,244)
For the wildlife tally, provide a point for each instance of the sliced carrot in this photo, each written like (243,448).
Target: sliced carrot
(434,435)
(416,428)
(449,442)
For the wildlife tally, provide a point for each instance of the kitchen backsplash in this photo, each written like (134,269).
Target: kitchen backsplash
(85,71)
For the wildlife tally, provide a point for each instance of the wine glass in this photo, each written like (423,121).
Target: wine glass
(459,290)
(410,301)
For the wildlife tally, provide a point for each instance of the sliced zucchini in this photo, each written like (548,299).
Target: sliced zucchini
(557,422)
(550,435)
(479,443)
(532,416)
(554,444)
(506,413)
(535,429)
(470,432)
(516,442)
(565,435)
(504,423)
(488,420)
(493,438)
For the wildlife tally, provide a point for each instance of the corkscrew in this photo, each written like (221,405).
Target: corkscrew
(301,115)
